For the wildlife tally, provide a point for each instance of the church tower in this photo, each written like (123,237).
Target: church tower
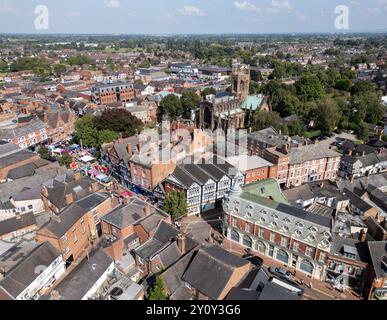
(240,80)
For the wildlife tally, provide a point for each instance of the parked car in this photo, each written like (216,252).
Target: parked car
(255,260)
(281,273)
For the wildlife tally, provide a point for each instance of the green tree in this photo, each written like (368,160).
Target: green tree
(170,106)
(363,132)
(362,87)
(327,115)
(157,292)
(296,128)
(86,133)
(106,136)
(65,160)
(59,69)
(189,101)
(79,60)
(254,87)
(208,91)
(343,84)
(118,120)
(309,88)
(285,103)
(3,66)
(175,204)
(45,153)
(262,120)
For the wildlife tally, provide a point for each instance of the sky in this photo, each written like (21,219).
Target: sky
(191,16)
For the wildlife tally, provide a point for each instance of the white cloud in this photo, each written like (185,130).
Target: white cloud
(112,3)
(188,10)
(72,14)
(7,7)
(372,11)
(283,4)
(246,6)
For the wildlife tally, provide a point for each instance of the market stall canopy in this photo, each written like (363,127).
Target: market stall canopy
(87,159)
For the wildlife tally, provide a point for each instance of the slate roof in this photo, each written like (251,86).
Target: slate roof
(356,201)
(73,213)
(32,126)
(14,224)
(16,156)
(360,249)
(76,285)
(173,275)
(25,272)
(26,170)
(211,269)
(60,188)
(125,216)
(378,250)
(312,152)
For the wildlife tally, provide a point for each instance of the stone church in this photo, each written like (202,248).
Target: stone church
(226,110)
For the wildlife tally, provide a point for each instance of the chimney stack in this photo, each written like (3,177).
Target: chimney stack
(56,217)
(77,176)
(95,186)
(362,235)
(69,199)
(181,243)
(129,148)
(147,209)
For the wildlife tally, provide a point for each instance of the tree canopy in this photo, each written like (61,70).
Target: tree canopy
(175,204)
(119,121)
(170,106)
(157,291)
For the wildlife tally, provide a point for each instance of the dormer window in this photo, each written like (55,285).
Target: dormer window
(274,224)
(300,224)
(325,243)
(311,237)
(275,216)
(263,220)
(298,233)
(285,228)
(326,235)
(313,229)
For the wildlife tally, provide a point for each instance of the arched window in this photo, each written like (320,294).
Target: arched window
(282,256)
(307,266)
(247,241)
(234,236)
(261,247)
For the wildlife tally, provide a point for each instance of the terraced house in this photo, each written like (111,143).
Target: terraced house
(259,217)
